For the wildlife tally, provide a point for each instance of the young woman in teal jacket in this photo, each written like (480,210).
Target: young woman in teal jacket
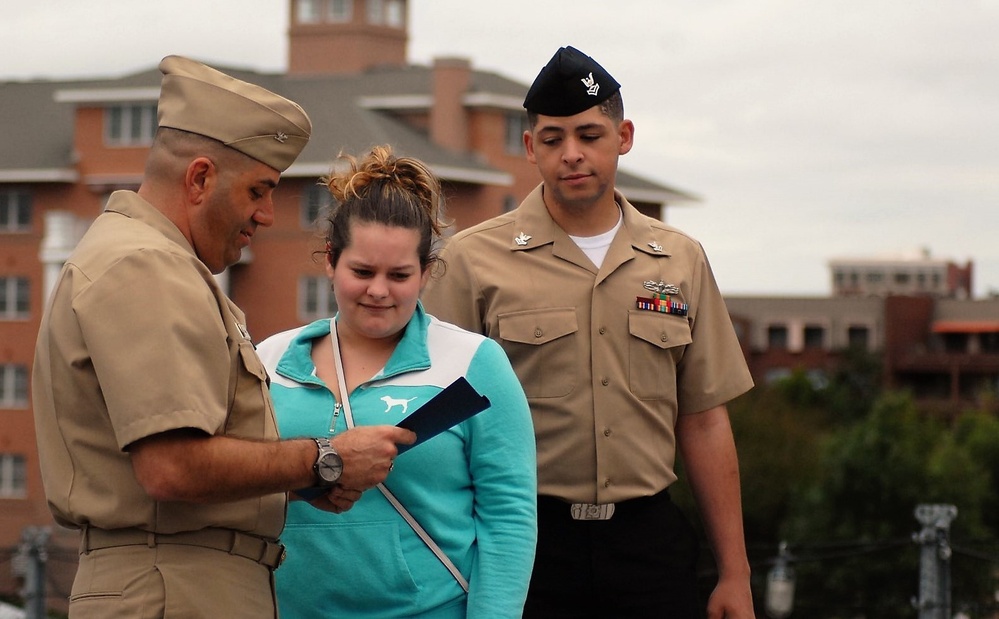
(472,488)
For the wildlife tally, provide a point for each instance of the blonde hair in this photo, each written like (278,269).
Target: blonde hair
(385,189)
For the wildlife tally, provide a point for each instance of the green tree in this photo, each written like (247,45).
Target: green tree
(853,526)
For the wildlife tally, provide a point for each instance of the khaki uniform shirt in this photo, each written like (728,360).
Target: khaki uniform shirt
(138,339)
(605,380)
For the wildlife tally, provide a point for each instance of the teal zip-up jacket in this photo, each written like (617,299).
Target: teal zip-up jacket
(473,488)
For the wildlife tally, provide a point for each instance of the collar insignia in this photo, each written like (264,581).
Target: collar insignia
(655,246)
(522,239)
(591,84)
(243,331)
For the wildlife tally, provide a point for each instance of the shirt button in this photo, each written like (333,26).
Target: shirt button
(538,332)
(607,432)
(664,337)
(604,382)
(603,330)
(607,483)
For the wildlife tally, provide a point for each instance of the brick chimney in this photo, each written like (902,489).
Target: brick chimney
(448,119)
(331,37)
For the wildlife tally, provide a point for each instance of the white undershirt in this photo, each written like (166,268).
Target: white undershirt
(595,247)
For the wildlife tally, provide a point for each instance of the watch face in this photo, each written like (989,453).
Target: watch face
(329,468)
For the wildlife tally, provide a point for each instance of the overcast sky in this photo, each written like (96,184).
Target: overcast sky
(811,130)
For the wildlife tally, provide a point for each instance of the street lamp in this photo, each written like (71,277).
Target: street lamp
(780,585)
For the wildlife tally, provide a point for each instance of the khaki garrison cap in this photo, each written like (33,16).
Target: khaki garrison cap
(243,116)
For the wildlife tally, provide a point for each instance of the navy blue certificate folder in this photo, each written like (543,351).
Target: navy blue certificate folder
(454,404)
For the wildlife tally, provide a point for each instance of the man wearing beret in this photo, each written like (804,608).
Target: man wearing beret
(616,328)
(155,428)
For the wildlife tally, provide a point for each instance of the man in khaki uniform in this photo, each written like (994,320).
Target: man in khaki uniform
(155,428)
(617,330)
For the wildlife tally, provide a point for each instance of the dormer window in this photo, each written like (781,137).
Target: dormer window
(132,124)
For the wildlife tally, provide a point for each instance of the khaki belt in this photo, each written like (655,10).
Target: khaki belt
(251,547)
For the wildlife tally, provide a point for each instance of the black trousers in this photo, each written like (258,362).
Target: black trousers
(639,564)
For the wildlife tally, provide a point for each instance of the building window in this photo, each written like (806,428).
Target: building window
(376,12)
(307,11)
(815,337)
(902,279)
(339,11)
(13,297)
(13,478)
(15,211)
(516,125)
(315,299)
(777,337)
(13,386)
(858,337)
(956,342)
(316,202)
(132,124)
(395,13)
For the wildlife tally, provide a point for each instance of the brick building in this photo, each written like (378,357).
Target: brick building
(944,351)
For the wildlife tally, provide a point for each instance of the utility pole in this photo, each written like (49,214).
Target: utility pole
(934,560)
(780,585)
(34,552)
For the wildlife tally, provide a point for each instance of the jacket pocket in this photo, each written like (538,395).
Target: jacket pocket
(655,348)
(543,349)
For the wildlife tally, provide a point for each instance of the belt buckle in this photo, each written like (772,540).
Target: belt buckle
(591,511)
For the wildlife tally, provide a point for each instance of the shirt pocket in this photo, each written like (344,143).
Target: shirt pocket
(655,348)
(543,349)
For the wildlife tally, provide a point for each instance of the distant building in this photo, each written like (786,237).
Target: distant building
(904,274)
(944,351)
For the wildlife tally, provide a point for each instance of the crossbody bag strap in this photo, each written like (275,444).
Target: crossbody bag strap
(408,517)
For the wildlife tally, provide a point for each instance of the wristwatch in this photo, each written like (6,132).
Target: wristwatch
(329,464)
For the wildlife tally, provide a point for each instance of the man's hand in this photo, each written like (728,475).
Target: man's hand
(337,500)
(368,452)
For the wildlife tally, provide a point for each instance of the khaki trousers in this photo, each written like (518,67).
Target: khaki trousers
(170,582)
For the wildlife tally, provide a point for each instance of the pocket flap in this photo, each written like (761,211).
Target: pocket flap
(538,327)
(661,330)
(251,361)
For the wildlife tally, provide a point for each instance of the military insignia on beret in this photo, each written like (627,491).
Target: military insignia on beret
(556,91)
(281,136)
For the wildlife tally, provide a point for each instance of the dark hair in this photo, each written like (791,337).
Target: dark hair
(611,107)
(384,189)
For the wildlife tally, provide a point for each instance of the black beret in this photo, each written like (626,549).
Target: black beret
(570,83)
